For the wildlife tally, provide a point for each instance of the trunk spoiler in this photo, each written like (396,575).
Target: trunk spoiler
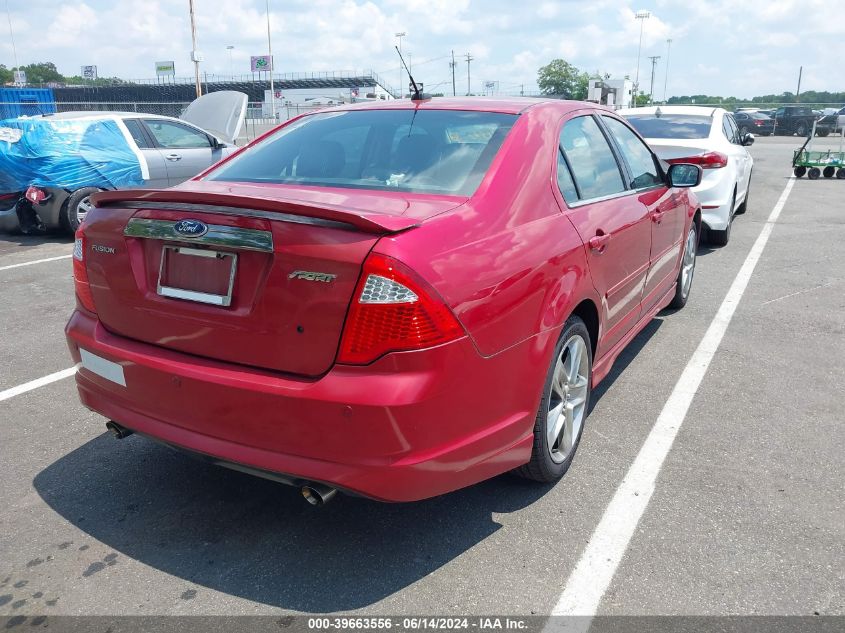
(285,210)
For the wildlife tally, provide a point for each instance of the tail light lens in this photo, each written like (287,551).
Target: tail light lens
(758,122)
(80,274)
(393,310)
(35,195)
(710,160)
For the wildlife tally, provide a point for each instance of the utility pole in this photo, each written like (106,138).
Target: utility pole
(666,77)
(798,92)
(452,65)
(642,16)
(12,36)
(194,54)
(272,67)
(653,59)
(521,90)
(469,83)
(401,89)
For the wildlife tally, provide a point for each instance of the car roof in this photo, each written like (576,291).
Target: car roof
(506,105)
(673,109)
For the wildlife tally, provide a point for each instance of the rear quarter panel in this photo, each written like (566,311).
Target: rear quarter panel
(508,262)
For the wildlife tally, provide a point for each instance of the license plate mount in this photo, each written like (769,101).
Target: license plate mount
(199,275)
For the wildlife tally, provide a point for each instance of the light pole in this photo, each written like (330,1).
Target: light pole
(400,36)
(272,67)
(642,16)
(231,67)
(666,79)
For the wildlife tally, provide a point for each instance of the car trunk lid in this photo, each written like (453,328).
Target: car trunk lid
(259,276)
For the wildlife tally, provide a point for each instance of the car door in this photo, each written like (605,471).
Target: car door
(665,209)
(738,155)
(611,220)
(156,169)
(186,150)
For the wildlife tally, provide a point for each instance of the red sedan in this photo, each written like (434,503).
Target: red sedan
(395,300)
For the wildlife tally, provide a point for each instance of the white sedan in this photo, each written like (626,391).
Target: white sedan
(708,137)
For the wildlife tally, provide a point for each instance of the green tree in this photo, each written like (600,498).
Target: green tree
(42,73)
(6,75)
(559,77)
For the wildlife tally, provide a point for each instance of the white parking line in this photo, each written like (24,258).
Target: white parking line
(595,569)
(35,384)
(37,261)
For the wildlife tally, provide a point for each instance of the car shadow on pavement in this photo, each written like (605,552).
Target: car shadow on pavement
(626,356)
(260,540)
(20,239)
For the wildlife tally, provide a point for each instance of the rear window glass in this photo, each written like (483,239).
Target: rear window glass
(430,151)
(671,125)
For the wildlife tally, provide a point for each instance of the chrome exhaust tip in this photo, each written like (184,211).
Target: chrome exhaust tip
(117,431)
(317,494)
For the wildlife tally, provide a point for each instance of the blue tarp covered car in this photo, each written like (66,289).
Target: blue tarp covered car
(70,154)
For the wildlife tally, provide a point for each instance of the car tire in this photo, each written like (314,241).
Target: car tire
(822,133)
(840,173)
(75,209)
(829,172)
(801,129)
(565,402)
(814,173)
(721,238)
(684,282)
(800,171)
(744,206)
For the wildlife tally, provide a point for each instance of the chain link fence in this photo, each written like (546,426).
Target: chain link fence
(258,119)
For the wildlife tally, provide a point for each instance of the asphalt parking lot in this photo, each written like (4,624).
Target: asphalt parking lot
(746,517)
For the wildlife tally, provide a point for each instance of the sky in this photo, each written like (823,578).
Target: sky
(736,48)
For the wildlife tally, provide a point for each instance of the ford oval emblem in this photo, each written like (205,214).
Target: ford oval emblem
(190,228)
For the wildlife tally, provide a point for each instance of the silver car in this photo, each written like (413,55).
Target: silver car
(169,151)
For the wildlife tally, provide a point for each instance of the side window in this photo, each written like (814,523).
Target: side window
(734,129)
(173,135)
(137,134)
(644,169)
(726,129)
(594,166)
(564,180)
(779,112)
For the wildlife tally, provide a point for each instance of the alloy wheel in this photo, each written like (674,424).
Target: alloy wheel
(568,400)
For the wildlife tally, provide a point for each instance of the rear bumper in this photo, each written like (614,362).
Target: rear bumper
(715,194)
(410,426)
(9,221)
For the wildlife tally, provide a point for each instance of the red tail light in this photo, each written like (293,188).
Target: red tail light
(80,274)
(758,122)
(393,310)
(35,195)
(710,160)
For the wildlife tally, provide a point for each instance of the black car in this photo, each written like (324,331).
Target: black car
(798,120)
(754,123)
(836,121)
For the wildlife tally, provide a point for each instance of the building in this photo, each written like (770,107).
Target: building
(615,93)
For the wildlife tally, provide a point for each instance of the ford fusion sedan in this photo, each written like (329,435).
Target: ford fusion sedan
(708,137)
(394,300)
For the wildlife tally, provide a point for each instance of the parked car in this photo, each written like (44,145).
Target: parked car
(708,137)
(64,158)
(798,120)
(835,120)
(754,123)
(395,299)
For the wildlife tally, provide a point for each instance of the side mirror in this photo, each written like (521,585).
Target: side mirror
(684,175)
(748,139)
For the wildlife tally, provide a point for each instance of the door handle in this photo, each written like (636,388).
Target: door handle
(173,157)
(599,242)
(657,216)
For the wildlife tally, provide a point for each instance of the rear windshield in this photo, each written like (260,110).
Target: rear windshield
(671,125)
(428,151)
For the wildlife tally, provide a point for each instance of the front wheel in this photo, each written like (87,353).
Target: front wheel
(685,274)
(801,129)
(563,407)
(76,208)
